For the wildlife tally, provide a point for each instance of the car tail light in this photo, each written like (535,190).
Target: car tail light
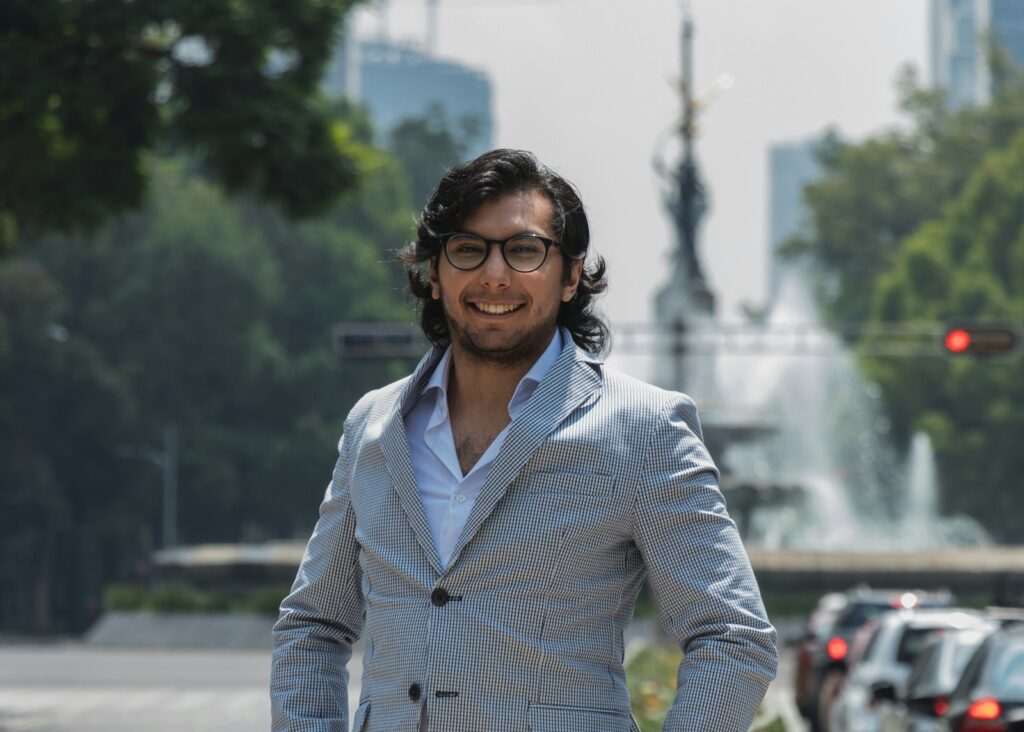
(984,709)
(983,716)
(941,706)
(836,649)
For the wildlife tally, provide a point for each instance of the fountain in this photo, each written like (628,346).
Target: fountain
(831,441)
(921,519)
(800,435)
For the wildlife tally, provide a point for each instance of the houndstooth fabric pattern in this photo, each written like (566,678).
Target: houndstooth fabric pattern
(603,481)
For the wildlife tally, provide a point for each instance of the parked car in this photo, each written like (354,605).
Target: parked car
(990,694)
(899,638)
(828,661)
(816,635)
(924,698)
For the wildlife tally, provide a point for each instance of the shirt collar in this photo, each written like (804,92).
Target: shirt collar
(529,383)
(524,390)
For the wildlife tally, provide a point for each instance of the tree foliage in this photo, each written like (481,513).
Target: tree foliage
(139,142)
(200,311)
(926,224)
(876,193)
(967,263)
(88,87)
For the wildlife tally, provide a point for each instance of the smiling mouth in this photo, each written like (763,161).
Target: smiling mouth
(495,309)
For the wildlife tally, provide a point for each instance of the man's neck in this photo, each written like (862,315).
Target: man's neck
(485,386)
(482,386)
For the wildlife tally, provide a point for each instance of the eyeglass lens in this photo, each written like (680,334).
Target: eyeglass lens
(522,253)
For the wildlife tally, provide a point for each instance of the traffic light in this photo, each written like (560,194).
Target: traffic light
(980,339)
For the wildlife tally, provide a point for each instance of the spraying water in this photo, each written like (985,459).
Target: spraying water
(832,440)
(922,524)
(921,482)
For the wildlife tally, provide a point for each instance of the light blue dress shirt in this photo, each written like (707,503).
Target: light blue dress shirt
(448,495)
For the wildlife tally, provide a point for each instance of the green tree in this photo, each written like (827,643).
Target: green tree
(199,311)
(61,408)
(87,88)
(875,194)
(205,310)
(968,263)
(920,225)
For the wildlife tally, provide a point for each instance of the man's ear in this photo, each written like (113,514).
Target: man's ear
(435,286)
(572,280)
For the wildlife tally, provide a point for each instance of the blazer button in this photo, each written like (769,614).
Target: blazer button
(414,692)
(439,597)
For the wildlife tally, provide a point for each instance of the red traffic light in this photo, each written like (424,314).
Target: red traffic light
(980,339)
(958,340)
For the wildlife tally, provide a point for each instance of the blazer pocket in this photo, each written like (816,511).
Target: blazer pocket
(583,484)
(550,718)
(362,715)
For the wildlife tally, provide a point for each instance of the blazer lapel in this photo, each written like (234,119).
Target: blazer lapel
(395,448)
(573,378)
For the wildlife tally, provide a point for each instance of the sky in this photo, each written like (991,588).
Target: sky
(589,86)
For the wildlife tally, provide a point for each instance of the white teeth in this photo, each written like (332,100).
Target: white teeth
(495,309)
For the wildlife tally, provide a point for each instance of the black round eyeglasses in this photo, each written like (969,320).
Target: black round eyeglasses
(522,252)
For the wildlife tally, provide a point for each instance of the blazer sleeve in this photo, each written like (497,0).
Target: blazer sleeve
(320,620)
(701,578)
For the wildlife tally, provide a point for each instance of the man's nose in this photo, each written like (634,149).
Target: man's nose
(495,270)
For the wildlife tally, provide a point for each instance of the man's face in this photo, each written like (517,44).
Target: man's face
(496,314)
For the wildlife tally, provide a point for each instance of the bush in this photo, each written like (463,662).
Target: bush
(651,677)
(261,602)
(178,598)
(187,599)
(123,597)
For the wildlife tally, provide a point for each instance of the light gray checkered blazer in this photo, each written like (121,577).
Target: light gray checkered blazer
(602,481)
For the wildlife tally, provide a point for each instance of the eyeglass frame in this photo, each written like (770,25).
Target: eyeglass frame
(548,243)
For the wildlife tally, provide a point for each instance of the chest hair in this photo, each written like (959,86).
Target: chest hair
(471,442)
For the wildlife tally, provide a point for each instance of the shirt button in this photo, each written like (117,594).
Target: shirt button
(414,692)
(439,597)
(460,498)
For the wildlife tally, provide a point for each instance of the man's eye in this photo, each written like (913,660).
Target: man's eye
(526,247)
(463,243)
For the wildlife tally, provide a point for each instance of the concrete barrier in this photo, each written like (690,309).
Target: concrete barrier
(181,630)
(993,571)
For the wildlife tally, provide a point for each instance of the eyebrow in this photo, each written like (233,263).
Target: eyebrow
(510,236)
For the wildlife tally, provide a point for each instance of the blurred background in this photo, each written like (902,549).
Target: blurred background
(813,215)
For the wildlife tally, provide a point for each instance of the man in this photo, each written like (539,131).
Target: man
(495,513)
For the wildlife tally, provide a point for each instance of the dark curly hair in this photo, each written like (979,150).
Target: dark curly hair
(493,175)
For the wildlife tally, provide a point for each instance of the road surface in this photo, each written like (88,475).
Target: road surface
(81,688)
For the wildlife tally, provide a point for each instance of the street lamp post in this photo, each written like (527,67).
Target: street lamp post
(167,460)
(169,467)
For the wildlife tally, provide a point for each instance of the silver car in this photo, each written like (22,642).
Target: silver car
(925,696)
(897,640)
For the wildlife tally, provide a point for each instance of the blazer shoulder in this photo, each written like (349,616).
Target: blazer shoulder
(663,410)
(642,394)
(376,404)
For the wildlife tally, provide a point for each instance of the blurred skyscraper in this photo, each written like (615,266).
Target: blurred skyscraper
(791,166)
(959,30)
(396,81)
